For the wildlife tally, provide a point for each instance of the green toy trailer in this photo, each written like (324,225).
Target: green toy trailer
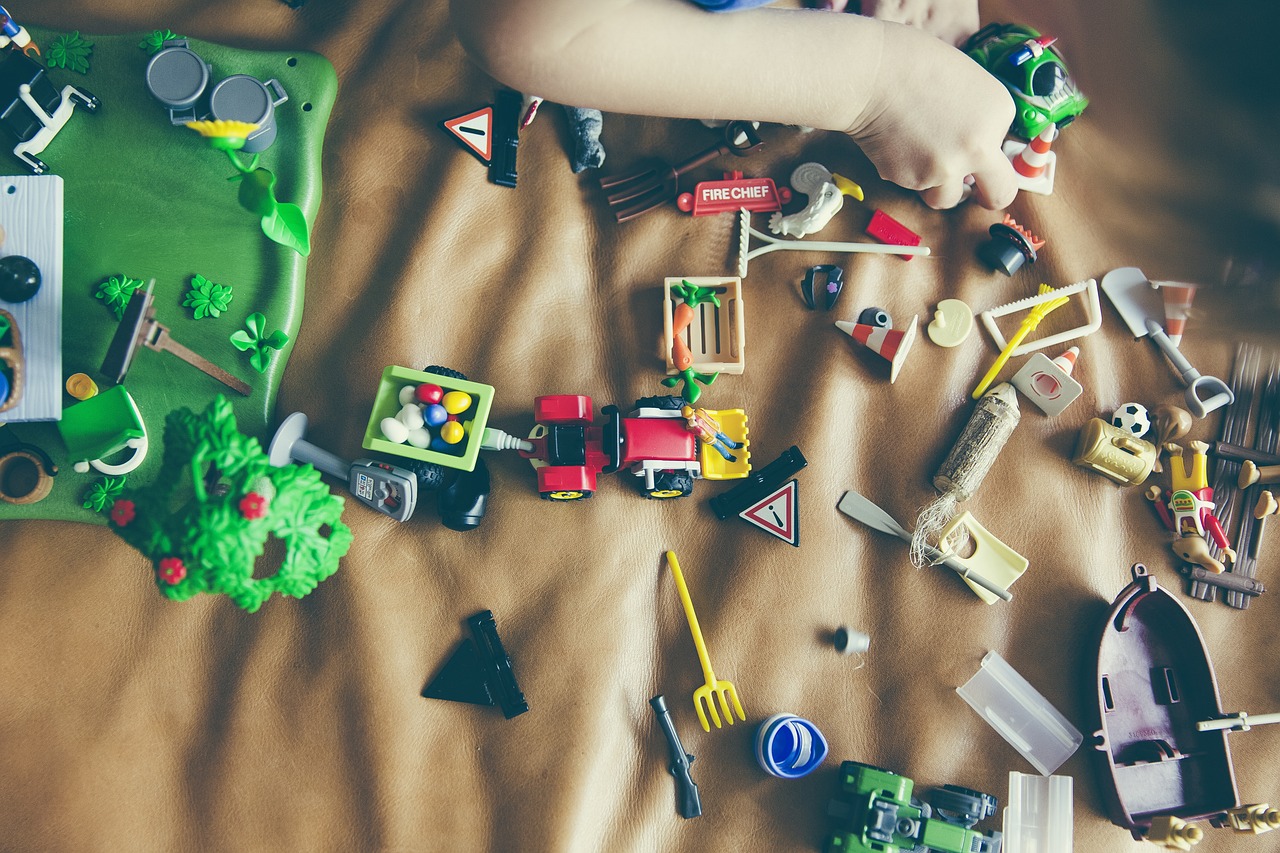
(876,813)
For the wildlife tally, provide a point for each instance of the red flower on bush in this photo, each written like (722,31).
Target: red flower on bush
(253,506)
(172,570)
(122,512)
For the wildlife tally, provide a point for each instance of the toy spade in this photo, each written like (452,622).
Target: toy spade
(860,508)
(479,672)
(1204,394)
(138,327)
(652,185)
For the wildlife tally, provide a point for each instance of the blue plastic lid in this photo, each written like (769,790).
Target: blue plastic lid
(789,747)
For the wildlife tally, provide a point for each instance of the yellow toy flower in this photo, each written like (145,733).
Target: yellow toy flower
(223,129)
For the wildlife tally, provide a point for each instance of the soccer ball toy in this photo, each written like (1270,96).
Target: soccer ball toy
(1133,418)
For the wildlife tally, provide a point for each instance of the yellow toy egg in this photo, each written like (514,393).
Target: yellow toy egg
(456,402)
(452,432)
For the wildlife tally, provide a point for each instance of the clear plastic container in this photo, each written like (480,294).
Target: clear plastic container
(1037,818)
(1023,717)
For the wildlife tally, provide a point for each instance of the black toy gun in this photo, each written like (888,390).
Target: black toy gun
(686,788)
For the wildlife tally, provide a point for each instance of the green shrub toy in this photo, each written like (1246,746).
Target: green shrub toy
(216,502)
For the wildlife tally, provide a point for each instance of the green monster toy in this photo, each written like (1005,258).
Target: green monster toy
(206,519)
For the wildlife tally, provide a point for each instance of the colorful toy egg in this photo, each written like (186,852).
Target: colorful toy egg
(435,415)
(452,432)
(428,393)
(407,395)
(411,416)
(419,438)
(439,445)
(456,402)
(393,430)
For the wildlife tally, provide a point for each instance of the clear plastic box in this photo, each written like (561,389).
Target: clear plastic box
(1037,818)
(1023,717)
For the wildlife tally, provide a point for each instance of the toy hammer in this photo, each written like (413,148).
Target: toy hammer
(139,327)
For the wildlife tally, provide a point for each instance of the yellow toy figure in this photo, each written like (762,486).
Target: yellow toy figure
(707,428)
(1189,511)
(1174,833)
(1255,819)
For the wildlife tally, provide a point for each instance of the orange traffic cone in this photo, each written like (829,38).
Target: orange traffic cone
(1034,163)
(1177,307)
(1067,361)
(890,344)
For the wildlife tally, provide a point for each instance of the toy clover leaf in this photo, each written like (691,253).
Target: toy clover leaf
(156,39)
(253,337)
(70,51)
(207,298)
(103,493)
(282,222)
(116,292)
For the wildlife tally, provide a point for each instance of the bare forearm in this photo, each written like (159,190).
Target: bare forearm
(669,58)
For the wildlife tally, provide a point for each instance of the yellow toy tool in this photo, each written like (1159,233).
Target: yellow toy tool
(724,691)
(1029,323)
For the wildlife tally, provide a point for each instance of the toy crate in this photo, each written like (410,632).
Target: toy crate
(387,403)
(716,337)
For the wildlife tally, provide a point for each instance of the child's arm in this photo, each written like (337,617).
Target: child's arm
(924,113)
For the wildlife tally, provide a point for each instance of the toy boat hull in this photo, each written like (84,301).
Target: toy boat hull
(1154,682)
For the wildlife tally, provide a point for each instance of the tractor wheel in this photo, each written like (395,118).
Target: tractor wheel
(566,495)
(666,403)
(670,484)
(962,806)
(444,371)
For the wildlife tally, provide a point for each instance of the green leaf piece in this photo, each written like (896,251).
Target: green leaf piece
(259,345)
(116,291)
(156,39)
(70,51)
(288,227)
(214,505)
(207,298)
(102,494)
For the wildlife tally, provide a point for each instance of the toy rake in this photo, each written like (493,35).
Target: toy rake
(723,691)
(655,182)
(773,244)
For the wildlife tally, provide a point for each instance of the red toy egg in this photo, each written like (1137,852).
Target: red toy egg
(428,393)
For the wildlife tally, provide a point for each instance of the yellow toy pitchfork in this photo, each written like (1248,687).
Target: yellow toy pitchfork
(723,691)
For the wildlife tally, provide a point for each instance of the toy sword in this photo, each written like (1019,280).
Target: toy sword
(686,788)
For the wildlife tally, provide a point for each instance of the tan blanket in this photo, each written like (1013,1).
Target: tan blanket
(128,722)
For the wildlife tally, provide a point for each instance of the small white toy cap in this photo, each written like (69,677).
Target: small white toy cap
(848,641)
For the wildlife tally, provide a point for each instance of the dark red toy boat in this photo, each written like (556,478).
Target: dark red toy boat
(1155,682)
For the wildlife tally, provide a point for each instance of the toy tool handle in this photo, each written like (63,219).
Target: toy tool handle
(1188,373)
(690,615)
(165,343)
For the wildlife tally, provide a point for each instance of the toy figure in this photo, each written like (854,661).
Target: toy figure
(1189,511)
(708,429)
(1173,833)
(13,34)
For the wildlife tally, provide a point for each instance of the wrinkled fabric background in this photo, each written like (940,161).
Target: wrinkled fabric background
(130,722)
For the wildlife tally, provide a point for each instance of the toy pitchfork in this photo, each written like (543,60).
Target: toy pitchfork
(723,691)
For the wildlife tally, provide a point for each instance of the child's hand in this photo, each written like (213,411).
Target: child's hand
(953,21)
(934,116)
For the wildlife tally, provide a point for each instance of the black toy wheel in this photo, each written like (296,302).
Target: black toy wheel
(444,371)
(962,806)
(86,100)
(465,498)
(670,484)
(431,475)
(666,403)
(566,495)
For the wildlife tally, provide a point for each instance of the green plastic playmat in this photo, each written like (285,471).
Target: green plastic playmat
(145,199)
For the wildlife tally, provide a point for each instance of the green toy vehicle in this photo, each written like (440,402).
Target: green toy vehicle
(876,813)
(1033,71)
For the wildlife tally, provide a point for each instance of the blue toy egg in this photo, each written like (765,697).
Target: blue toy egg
(4,387)
(439,445)
(435,414)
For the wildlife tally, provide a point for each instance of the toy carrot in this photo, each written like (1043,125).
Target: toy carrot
(691,297)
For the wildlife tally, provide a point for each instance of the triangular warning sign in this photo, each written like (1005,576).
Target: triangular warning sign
(462,679)
(778,513)
(475,131)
